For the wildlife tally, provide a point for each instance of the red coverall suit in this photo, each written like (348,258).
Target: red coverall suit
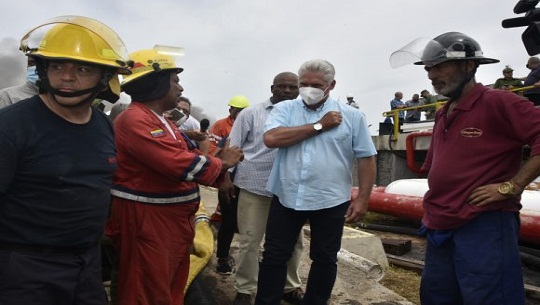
(155,196)
(218,131)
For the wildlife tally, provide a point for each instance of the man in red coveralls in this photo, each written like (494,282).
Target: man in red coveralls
(476,177)
(155,188)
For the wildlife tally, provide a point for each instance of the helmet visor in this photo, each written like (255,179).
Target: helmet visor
(410,53)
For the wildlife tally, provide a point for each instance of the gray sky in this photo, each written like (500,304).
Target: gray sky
(237,46)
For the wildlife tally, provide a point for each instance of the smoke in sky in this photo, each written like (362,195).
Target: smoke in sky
(12,63)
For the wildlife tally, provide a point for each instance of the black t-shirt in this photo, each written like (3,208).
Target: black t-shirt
(55,176)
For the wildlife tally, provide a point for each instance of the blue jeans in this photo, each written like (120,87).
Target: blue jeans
(282,230)
(478,264)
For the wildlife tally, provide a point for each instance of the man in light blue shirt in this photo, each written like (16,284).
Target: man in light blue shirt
(397,103)
(319,140)
(254,200)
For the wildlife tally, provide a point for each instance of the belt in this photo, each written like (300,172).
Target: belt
(41,249)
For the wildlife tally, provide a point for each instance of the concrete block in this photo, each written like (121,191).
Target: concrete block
(365,245)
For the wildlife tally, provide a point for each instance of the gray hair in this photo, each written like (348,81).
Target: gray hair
(534,59)
(318,65)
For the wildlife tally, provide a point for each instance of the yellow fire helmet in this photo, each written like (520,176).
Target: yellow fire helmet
(150,61)
(239,101)
(80,39)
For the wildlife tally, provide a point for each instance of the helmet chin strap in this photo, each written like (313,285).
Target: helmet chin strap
(459,90)
(102,84)
(88,100)
(457,93)
(44,84)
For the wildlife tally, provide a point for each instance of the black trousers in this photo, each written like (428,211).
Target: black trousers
(229,224)
(282,230)
(51,277)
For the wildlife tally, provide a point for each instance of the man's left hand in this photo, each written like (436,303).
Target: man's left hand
(356,211)
(486,194)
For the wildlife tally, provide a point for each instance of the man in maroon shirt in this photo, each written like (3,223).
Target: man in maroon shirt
(475,180)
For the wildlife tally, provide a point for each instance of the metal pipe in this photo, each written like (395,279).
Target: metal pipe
(390,229)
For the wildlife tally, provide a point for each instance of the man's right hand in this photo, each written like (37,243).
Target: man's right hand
(230,156)
(330,120)
(196,135)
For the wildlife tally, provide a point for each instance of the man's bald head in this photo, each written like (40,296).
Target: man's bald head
(285,87)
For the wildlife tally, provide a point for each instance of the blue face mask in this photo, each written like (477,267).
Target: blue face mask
(31,74)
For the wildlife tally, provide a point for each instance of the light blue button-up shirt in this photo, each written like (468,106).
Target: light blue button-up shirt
(317,172)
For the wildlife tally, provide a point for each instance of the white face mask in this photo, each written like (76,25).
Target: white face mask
(311,96)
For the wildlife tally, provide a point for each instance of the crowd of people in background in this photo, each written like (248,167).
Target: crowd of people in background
(72,177)
(527,86)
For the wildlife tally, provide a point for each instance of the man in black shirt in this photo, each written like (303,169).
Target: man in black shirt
(57,158)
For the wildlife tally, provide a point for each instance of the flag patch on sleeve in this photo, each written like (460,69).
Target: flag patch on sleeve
(157,133)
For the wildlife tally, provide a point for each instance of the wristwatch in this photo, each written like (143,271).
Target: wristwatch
(317,126)
(507,189)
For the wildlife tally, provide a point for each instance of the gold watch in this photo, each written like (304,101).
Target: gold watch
(507,189)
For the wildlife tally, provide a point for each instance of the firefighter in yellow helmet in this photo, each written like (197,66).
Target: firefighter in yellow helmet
(155,188)
(78,40)
(57,159)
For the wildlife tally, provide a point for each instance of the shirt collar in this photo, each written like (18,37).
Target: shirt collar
(268,104)
(469,99)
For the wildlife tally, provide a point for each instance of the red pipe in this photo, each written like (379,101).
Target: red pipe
(530,228)
(411,208)
(402,206)
(410,147)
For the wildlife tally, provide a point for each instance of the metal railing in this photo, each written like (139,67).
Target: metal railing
(394,114)
(520,90)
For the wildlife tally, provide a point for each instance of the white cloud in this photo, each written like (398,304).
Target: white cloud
(238,46)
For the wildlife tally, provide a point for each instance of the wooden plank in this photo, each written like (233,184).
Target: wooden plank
(407,264)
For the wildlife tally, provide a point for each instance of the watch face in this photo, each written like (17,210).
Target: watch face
(317,126)
(506,188)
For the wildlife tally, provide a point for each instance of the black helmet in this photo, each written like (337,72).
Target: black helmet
(453,46)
